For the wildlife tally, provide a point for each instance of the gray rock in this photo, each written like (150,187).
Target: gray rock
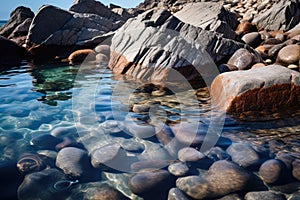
(189,154)
(105,155)
(272,171)
(73,161)
(283,15)
(231,197)
(102,191)
(17,17)
(223,178)
(243,154)
(11,53)
(179,169)
(264,195)
(39,185)
(45,141)
(254,90)
(156,187)
(94,7)
(217,153)
(289,54)
(176,194)
(210,16)
(156,46)
(295,196)
(242,59)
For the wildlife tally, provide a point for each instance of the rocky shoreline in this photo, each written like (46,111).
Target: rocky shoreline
(246,52)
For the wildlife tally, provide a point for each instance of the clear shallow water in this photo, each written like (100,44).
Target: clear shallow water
(37,100)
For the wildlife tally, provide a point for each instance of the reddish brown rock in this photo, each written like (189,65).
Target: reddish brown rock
(80,55)
(273,87)
(289,54)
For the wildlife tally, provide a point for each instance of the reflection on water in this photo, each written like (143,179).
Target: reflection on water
(35,101)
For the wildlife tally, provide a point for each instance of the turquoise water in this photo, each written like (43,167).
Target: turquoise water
(36,100)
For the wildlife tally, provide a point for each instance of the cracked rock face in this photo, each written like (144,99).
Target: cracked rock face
(209,16)
(284,15)
(272,88)
(155,46)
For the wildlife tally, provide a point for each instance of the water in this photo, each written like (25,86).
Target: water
(36,100)
(2,22)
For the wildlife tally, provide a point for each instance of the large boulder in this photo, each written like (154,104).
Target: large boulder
(271,88)
(11,53)
(156,46)
(283,15)
(17,17)
(64,31)
(209,16)
(94,7)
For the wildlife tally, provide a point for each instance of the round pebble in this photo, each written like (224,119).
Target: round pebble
(253,39)
(242,59)
(189,154)
(45,141)
(179,169)
(264,195)
(272,171)
(176,194)
(289,54)
(296,169)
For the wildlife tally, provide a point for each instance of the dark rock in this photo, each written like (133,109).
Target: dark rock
(272,171)
(211,16)
(156,46)
(253,39)
(217,153)
(17,17)
(286,158)
(289,54)
(227,68)
(195,187)
(256,89)
(176,194)
(296,169)
(94,7)
(283,15)
(39,185)
(264,195)
(76,163)
(45,141)
(242,59)
(245,27)
(66,31)
(151,184)
(10,180)
(69,142)
(11,53)
(244,155)
(287,188)
(62,132)
(273,52)
(295,196)
(19,35)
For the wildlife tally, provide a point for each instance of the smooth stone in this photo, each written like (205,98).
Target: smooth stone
(29,162)
(286,158)
(132,146)
(245,27)
(140,108)
(45,141)
(81,55)
(296,169)
(179,169)
(217,153)
(272,171)
(101,58)
(39,185)
(7,138)
(242,59)
(289,54)
(151,184)
(264,195)
(293,67)
(287,188)
(258,65)
(62,132)
(75,163)
(103,192)
(105,155)
(227,68)
(244,155)
(176,194)
(189,154)
(273,52)
(141,130)
(253,39)
(223,177)
(103,49)
(69,142)
(113,127)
